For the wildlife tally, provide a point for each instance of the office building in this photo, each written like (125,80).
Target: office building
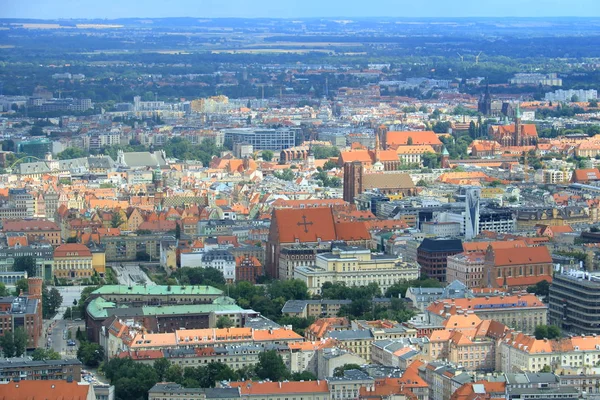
(432,256)
(262,139)
(472,212)
(575,302)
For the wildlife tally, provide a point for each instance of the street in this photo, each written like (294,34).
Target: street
(68,293)
(56,336)
(131,274)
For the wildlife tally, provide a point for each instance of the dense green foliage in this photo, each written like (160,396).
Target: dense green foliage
(90,354)
(13,343)
(45,354)
(547,332)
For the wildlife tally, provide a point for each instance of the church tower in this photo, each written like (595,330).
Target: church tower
(382,133)
(445,162)
(518,138)
(484,106)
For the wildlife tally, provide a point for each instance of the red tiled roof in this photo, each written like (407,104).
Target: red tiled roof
(42,389)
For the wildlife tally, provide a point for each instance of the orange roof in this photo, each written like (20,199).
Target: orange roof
(44,389)
(304,225)
(29,225)
(355,230)
(356,155)
(400,138)
(249,388)
(586,175)
(13,241)
(523,280)
(470,247)
(72,250)
(276,334)
(522,256)
(484,303)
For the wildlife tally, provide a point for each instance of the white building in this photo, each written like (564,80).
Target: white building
(567,95)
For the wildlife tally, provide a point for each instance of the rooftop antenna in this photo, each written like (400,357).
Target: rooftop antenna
(462,58)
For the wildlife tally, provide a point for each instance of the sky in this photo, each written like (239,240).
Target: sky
(52,9)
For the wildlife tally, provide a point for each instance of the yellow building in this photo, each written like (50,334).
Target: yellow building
(73,261)
(355,266)
(492,192)
(98,260)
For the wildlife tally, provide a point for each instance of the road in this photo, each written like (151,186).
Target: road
(68,293)
(131,274)
(57,336)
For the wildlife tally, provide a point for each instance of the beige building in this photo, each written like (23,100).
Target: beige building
(523,312)
(518,352)
(73,261)
(355,266)
(466,268)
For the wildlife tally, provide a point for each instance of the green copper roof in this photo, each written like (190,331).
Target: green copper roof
(99,308)
(159,290)
(445,152)
(190,309)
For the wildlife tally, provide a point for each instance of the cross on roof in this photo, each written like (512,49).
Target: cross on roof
(305,223)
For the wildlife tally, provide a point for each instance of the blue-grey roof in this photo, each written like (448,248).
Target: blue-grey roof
(363,334)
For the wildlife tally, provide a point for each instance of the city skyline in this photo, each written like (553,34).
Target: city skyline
(111,9)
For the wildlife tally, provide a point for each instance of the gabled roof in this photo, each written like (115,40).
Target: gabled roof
(522,256)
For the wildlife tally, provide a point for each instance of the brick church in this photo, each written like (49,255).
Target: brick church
(309,228)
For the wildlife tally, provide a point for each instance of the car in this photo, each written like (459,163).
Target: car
(71,343)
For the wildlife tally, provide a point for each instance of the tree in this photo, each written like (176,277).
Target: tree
(70,153)
(174,373)
(21,286)
(593,103)
(286,175)
(339,371)
(546,368)
(161,366)
(267,155)
(303,376)
(116,220)
(90,354)
(574,98)
(542,288)
(329,165)
(3,290)
(51,302)
(40,354)
(177,231)
(7,343)
(131,380)
(224,322)
(271,366)
(547,332)
(325,152)
(422,183)
(20,341)
(409,141)
(27,264)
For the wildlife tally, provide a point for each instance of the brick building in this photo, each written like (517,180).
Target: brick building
(24,311)
(432,256)
(247,269)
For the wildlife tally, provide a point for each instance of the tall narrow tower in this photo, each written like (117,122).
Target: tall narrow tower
(518,127)
(472,213)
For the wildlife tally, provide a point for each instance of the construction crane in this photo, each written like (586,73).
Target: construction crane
(477,57)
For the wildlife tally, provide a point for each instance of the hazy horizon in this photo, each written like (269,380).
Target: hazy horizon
(113,9)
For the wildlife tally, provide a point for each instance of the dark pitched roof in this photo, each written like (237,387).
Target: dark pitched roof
(441,245)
